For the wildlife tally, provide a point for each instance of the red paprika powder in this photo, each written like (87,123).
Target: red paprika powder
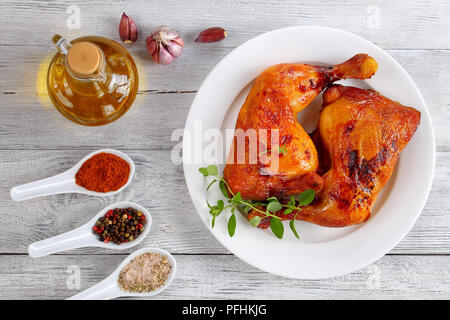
(103,172)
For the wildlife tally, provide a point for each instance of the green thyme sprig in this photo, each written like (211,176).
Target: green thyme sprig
(266,208)
(281,150)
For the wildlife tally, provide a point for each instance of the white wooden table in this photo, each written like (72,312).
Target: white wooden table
(36,141)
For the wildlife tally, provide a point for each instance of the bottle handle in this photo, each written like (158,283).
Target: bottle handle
(62,44)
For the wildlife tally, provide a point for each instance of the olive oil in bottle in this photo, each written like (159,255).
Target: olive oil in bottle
(92,80)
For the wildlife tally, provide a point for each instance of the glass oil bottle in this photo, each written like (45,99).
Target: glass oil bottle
(92,80)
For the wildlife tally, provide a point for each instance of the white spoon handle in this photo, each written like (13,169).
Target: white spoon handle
(61,183)
(66,241)
(107,289)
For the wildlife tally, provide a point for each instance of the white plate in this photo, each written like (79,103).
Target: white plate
(321,252)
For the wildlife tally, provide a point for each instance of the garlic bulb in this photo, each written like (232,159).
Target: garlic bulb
(164,45)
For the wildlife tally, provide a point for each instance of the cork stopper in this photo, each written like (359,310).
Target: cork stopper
(84,58)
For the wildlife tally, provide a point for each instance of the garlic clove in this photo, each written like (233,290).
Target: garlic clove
(133,31)
(127,29)
(124,27)
(175,49)
(211,35)
(179,40)
(152,45)
(155,55)
(164,56)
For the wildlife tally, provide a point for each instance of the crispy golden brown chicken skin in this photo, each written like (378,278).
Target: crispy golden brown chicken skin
(278,94)
(362,133)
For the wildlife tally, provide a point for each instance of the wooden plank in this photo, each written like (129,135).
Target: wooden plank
(227,277)
(159,186)
(386,23)
(36,142)
(27,124)
(151,112)
(24,70)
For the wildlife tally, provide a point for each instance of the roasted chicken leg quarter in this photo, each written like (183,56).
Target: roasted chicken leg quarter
(362,134)
(278,94)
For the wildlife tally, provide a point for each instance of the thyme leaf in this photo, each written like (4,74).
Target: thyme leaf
(277,228)
(255,221)
(282,150)
(306,197)
(232,225)
(292,226)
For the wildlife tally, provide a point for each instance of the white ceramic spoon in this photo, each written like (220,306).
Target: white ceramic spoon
(65,182)
(109,288)
(84,236)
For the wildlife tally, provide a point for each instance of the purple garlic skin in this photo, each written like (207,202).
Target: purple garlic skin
(164,45)
(127,29)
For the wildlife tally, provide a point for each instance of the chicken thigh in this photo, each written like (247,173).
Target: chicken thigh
(360,135)
(267,125)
